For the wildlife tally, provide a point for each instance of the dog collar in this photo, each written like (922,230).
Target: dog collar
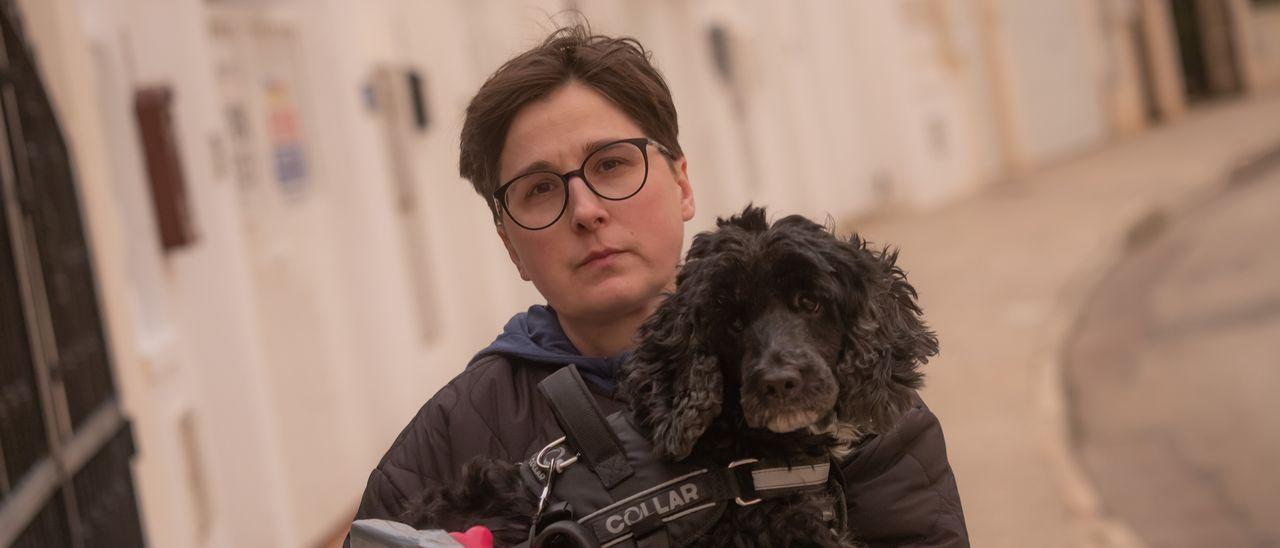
(771,481)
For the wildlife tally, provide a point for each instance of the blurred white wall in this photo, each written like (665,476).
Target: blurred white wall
(267,366)
(1055,94)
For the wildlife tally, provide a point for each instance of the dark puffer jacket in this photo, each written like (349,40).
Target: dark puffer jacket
(900,488)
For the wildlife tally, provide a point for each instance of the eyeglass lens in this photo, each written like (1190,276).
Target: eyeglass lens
(615,172)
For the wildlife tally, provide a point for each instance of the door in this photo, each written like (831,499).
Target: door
(65,446)
(1206,45)
(287,224)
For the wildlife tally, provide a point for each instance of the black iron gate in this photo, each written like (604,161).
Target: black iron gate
(65,446)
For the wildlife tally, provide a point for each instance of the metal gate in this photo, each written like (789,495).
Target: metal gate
(65,446)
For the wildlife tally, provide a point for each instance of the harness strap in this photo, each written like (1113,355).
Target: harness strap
(658,538)
(642,515)
(585,426)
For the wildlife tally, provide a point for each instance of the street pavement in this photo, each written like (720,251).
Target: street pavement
(1004,276)
(1174,371)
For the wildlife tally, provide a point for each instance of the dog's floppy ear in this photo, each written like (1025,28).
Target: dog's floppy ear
(675,388)
(887,341)
(673,382)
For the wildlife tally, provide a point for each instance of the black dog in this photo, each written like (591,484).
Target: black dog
(781,343)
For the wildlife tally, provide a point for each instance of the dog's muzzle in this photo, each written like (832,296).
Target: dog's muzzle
(788,390)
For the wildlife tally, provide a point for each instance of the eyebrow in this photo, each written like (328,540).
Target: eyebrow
(543,165)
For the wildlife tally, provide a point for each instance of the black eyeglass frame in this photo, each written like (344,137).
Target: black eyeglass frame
(499,195)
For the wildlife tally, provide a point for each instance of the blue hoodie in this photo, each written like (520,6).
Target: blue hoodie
(535,335)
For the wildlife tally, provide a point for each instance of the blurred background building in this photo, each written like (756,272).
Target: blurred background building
(285,263)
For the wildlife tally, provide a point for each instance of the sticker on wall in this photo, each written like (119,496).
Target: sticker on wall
(284,134)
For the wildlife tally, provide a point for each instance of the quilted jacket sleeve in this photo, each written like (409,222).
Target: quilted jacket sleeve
(419,458)
(901,490)
(490,409)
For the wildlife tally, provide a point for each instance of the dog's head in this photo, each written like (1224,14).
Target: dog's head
(779,328)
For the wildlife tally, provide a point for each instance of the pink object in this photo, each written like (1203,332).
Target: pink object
(475,537)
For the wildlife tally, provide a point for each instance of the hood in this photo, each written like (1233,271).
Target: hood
(535,335)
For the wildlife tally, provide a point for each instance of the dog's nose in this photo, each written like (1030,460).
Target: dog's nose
(781,382)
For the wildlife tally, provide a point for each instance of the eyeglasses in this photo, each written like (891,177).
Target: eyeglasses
(615,172)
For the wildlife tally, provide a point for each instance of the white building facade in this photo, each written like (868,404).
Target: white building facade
(342,271)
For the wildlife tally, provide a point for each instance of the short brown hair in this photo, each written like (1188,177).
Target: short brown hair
(617,68)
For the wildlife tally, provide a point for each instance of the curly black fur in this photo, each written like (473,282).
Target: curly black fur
(737,299)
(779,342)
(489,491)
(835,319)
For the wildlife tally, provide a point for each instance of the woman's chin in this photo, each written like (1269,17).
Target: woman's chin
(610,300)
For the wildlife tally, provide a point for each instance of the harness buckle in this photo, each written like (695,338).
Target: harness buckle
(736,464)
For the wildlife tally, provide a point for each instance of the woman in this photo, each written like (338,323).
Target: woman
(547,143)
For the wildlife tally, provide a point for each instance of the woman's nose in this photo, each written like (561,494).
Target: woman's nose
(587,211)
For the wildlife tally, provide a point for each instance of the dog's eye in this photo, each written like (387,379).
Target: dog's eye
(807,304)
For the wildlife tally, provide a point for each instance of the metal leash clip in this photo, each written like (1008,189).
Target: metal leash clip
(548,456)
(549,461)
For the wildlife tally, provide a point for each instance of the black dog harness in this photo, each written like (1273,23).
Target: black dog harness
(601,485)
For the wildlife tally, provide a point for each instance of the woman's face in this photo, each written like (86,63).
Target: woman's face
(602,259)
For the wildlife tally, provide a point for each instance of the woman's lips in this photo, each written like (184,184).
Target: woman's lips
(598,257)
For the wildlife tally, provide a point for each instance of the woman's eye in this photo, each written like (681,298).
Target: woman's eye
(808,304)
(540,188)
(609,164)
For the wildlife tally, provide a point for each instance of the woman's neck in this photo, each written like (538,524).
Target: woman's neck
(598,338)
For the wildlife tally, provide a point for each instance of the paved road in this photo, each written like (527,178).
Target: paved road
(1173,376)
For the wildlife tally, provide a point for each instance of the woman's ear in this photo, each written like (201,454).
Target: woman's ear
(886,343)
(680,170)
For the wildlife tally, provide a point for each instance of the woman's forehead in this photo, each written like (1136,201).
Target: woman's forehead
(561,127)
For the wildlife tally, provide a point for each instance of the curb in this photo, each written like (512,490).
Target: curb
(1079,491)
